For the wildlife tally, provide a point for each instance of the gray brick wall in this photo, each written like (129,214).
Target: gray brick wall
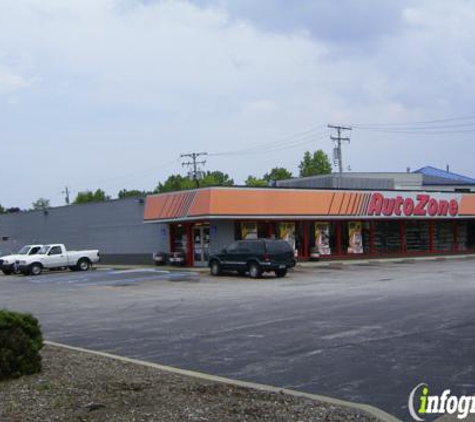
(116,228)
(221,234)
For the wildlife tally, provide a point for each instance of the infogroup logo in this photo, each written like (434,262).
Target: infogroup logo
(422,404)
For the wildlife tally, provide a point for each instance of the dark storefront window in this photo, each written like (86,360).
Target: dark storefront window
(470,235)
(417,236)
(462,236)
(367,237)
(179,243)
(444,236)
(387,236)
(262,230)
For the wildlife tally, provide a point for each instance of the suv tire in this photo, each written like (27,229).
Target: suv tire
(255,270)
(215,268)
(281,273)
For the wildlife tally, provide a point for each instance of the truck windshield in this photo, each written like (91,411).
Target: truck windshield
(24,250)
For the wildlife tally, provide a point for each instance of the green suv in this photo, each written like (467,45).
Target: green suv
(254,257)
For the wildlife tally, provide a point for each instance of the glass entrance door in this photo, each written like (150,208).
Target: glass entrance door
(201,245)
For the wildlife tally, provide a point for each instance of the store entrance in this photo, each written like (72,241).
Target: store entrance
(201,245)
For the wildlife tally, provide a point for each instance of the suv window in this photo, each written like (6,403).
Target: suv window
(233,247)
(279,247)
(35,250)
(255,247)
(55,250)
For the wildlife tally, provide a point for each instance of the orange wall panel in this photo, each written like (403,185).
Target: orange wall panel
(268,202)
(467,205)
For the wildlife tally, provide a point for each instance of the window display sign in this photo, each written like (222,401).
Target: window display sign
(287,232)
(322,238)
(355,242)
(248,230)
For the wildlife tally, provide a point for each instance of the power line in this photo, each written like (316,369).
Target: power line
(426,131)
(413,126)
(273,145)
(112,181)
(194,163)
(453,119)
(337,154)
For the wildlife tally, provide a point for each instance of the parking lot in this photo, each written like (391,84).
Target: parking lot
(365,333)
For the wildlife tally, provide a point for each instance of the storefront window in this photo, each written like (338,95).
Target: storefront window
(287,232)
(249,230)
(417,236)
(470,235)
(179,243)
(322,238)
(444,236)
(354,237)
(262,230)
(387,236)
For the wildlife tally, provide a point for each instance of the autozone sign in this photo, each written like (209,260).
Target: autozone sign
(420,205)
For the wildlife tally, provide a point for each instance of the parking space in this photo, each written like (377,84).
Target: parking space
(366,333)
(109,276)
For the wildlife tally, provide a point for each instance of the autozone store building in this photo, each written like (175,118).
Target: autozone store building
(336,223)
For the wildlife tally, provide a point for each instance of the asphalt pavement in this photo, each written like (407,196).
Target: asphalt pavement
(366,333)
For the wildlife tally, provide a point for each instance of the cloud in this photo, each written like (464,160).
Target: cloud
(135,83)
(343,21)
(11,82)
(260,106)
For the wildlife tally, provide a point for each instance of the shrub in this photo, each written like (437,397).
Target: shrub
(20,344)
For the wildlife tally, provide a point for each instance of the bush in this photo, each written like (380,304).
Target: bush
(20,344)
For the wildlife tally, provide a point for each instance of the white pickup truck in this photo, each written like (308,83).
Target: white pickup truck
(56,256)
(9,263)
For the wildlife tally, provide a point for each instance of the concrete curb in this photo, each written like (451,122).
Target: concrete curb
(406,259)
(158,268)
(368,410)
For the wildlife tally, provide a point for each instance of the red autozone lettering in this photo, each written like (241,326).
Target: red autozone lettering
(424,205)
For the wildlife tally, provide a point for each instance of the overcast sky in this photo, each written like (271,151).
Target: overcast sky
(107,93)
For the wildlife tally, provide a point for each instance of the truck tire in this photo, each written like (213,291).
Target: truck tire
(7,272)
(255,270)
(83,264)
(35,269)
(215,268)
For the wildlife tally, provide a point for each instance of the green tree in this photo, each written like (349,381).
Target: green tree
(88,196)
(177,182)
(2,210)
(255,182)
(133,193)
(41,204)
(216,178)
(277,173)
(315,164)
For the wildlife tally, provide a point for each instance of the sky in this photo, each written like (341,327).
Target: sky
(108,93)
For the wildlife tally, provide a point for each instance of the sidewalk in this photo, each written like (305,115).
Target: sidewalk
(300,265)
(342,262)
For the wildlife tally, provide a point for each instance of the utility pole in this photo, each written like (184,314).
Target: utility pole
(194,163)
(337,155)
(66,192)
